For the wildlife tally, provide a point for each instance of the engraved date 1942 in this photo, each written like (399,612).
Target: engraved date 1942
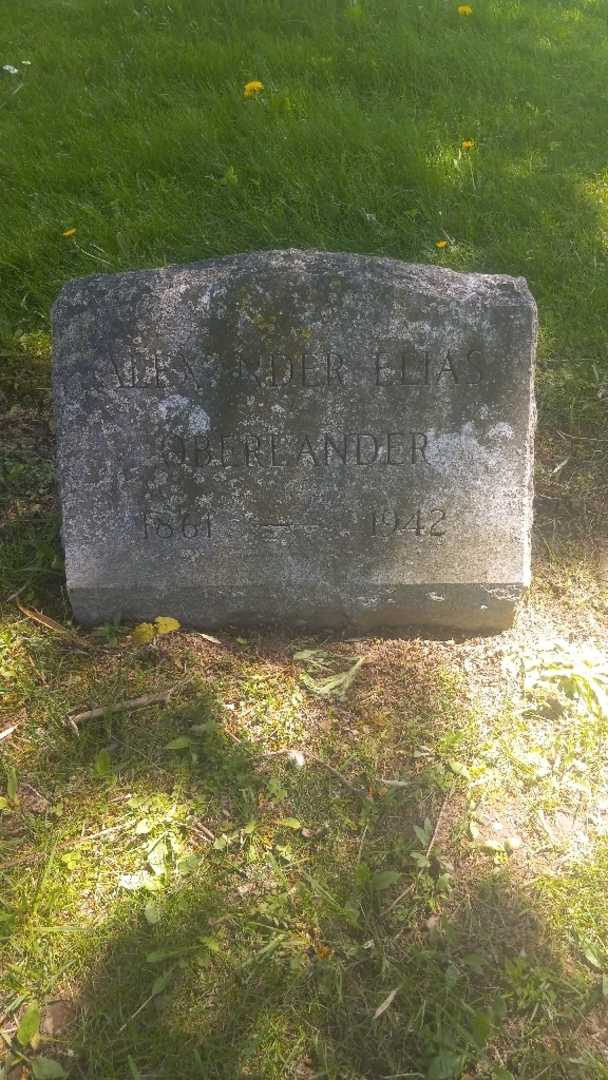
(389,522)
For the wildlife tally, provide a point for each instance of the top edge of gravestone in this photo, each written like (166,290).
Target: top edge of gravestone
(457,285)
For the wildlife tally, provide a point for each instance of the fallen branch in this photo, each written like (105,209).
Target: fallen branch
(4,734)
(201,831)
(393,783)
(123,706)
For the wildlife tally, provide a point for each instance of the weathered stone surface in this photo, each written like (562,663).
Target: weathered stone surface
(300,437)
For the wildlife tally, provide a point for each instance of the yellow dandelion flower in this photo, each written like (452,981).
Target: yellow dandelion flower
(468,144)
(252,88)
(441,244)
(69,232)
(465,9)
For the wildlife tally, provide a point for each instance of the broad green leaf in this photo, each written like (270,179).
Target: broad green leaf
(475,961)
(158,854)
(44,1068)
(212,944)
(384,879)
(445,1066)
(11,783)
(592,957)
(29,1025)
(158,956)
(135,1073)
(459,769)
(452,976)
(161,982)
(71,859)
(481,1027)
(103,764)
(181,742)
(363,875)
(290,823)
(188,864)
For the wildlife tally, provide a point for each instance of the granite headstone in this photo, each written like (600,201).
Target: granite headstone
(296,437)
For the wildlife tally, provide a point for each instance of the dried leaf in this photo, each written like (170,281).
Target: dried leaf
(152,912)
(166,625)
(134,881)
(143,633)
(56,1016)
(386,1004)
(495,846)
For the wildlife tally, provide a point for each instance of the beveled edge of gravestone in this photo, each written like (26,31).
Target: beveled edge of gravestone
(460,284)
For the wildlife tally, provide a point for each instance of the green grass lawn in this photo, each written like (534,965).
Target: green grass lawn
(179,899)
(130,126)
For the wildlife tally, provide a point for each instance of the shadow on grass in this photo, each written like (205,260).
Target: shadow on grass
(481,990)
(266,954)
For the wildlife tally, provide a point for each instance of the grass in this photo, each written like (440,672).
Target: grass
(132,128)
(179,899)
(279,909)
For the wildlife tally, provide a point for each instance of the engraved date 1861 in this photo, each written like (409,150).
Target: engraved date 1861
(389,522)
(168,526)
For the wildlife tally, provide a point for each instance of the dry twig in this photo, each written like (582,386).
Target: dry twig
(123,706)
(360,792)
(52,624)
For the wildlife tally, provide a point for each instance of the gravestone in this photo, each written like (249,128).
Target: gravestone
(296,437)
